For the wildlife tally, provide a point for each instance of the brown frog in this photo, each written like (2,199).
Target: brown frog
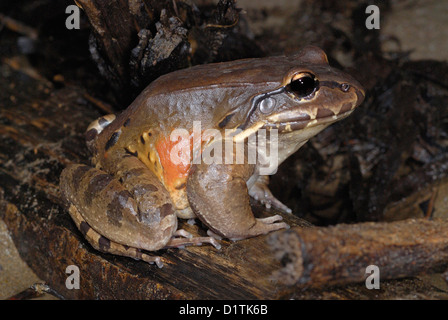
(128,203)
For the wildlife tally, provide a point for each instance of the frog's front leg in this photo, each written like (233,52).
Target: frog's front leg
(219,196)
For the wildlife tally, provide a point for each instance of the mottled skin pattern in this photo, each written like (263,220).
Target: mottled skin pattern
(130,199)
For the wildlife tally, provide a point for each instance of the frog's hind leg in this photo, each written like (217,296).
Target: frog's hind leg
(101,202)
(103,244)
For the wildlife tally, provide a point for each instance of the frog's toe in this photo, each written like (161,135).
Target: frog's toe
(183,233)
(214,235)
(273,223)
(187,239)
(262,194)
(272,219)
(152,260)
(263,226)
(274,202)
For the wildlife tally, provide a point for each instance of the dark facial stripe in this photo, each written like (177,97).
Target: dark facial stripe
(112,140)
(226,120)
(126,123)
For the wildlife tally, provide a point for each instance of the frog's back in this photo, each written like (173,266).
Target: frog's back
(267,72)
(204,92)
(224,74)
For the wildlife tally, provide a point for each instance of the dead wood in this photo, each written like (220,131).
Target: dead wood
(135,42)
(340,254)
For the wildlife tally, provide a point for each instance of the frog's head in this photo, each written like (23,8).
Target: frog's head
(309,96)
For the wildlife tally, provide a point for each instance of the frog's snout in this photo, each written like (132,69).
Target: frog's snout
(357,88)
(361,93)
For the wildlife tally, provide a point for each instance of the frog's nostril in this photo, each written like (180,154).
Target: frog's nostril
(345,87)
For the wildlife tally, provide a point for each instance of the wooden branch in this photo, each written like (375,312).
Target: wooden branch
(134,42)
(115,40)
(339,255)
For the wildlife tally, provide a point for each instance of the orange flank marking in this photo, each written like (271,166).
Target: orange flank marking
(176,156)
(175,159)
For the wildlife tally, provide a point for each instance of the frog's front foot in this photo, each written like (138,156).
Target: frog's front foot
(263,226)
(182,238)
(260,192)
(273,219)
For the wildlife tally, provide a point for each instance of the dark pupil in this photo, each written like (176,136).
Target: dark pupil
(303,86)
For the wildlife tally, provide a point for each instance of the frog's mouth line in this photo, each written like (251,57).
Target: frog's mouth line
(301,123)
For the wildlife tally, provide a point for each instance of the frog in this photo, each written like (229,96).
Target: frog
(129,200)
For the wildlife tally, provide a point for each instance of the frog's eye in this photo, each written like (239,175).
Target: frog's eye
(303,84)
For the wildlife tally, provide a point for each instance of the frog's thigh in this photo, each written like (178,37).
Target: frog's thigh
(218,195)
(110,209)
(154,201)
